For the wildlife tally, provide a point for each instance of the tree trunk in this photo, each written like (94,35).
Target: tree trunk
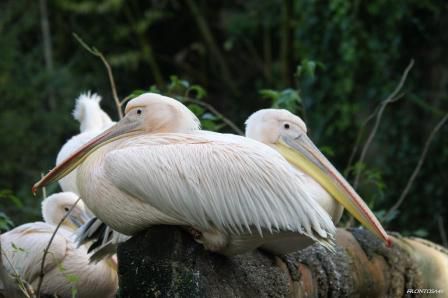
(165,262)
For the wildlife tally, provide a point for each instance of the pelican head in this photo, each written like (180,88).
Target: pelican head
(286,133)
(147,113)
(268,125)
(154,113)
(57,205)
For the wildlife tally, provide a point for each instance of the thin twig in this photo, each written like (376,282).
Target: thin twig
(145,43)
(419,165)
(394,96)
(94,51)
(286,40)
(44,189)
(216,112)
(124,100)
(48,51)
(211,43)
(358,140)
(253,56)
(442,231)
(21,283)
(42,264)
(360,133)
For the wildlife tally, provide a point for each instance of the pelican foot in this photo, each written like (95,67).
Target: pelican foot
(292,267)
(197,236)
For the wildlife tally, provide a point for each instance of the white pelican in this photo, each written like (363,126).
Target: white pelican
(155,167)
(268,126)
(93,121)
(286,133)
(66,267)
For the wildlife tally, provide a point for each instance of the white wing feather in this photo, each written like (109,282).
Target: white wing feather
(89,113)
(24,247)
(217,181)
(93,121)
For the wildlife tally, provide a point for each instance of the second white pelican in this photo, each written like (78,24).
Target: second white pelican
(287,133)
(155,167)
(66,267)
(92,121)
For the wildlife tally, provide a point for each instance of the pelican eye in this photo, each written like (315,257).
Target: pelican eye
(286,125)
(66,209)
(139,111)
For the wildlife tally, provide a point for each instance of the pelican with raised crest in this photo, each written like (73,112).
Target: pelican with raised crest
(156,167)
(92,121)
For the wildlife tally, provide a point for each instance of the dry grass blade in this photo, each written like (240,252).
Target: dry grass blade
(42,264)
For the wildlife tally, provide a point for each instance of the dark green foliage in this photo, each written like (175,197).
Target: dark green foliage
(331,62)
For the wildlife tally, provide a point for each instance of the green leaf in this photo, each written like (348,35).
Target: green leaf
(177,86)
(7,194)
(72,278)
(269,94)
(5,222)
(289,99)
(154,89)
(16,248)
(210,116)
(421,233)
(309,68)
(137,92)
(210,125)
(196,109)
(386,216)
(198,91)
(327,151)
(74,292)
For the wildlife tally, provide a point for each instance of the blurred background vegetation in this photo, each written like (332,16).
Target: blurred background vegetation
(332,62)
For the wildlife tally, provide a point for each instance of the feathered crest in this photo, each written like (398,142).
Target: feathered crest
(89,113)
(83,99)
